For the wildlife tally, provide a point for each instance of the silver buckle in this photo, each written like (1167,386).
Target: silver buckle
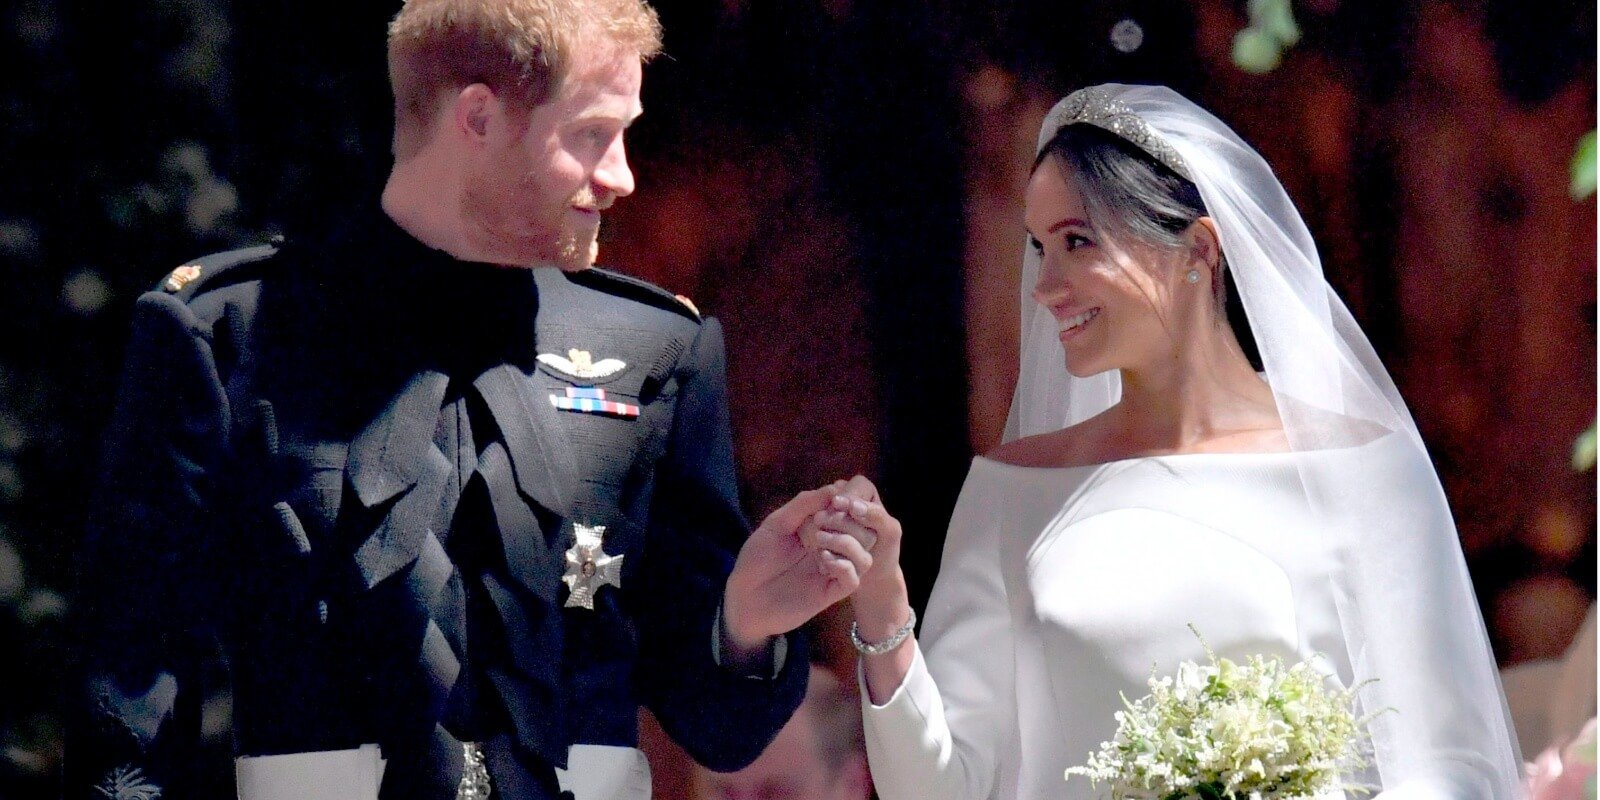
(474,774)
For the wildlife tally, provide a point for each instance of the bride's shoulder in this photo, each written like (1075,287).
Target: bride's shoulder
(1029,451)
(1068,446)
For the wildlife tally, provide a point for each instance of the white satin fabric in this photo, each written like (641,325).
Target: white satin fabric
(353,774)
(604,772)
(1062,588)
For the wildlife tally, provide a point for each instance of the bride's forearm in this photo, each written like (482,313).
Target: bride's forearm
(881,610)
(886,672)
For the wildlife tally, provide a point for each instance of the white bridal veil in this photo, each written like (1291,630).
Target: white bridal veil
(1405,601)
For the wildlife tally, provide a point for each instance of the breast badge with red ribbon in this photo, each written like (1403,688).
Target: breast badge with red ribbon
(589,400)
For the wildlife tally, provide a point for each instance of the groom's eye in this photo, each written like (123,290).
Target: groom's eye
(1036,245)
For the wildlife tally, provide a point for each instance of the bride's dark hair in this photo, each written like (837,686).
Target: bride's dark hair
(1125,191)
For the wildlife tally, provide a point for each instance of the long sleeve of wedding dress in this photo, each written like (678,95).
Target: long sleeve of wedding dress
(938,737)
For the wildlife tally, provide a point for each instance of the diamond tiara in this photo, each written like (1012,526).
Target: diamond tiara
(1094,106)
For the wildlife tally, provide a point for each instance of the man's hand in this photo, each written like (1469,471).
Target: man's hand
(778,582)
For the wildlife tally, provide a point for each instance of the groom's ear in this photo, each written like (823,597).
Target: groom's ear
(473,111)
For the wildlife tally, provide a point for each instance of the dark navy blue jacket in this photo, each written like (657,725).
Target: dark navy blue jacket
(341,460)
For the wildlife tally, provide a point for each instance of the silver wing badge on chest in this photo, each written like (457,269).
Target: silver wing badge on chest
(588,567)
(580,364)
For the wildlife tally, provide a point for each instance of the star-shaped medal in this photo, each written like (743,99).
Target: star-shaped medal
(588,567)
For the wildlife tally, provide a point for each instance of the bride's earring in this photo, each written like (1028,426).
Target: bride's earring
(1193,276)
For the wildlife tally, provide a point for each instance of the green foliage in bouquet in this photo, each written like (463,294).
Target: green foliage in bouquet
(1229,731)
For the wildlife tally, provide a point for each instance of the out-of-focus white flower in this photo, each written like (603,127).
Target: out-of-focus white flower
(85,292)
(13,575)
(19,239)
(207,198)
(1127,35)
(42,605)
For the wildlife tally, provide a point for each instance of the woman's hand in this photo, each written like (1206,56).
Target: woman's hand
(856,526)
(855,529)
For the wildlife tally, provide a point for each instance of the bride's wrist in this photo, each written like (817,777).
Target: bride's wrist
(882,584)
(882,609)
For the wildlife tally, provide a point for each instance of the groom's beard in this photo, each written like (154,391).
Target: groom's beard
(526,230)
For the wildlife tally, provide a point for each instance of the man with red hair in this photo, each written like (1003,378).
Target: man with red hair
(454,503)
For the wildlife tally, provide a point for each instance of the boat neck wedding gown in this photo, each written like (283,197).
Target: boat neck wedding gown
(1061,589)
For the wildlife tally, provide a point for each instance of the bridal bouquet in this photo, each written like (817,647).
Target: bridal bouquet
(1227,731)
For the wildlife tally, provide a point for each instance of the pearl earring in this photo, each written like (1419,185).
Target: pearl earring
(1193,276)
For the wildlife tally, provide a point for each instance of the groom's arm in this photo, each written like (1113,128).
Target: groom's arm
(143,587)
(724,714)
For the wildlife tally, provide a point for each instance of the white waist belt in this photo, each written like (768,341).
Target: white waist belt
(594,772)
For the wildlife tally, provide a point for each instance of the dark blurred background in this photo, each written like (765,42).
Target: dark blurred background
(841,183)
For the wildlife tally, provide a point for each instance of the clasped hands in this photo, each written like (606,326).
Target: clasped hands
(822,546)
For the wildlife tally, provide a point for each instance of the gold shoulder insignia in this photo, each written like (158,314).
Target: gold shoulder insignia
(181,277)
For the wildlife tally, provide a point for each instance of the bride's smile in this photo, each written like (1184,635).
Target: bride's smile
(1070,326)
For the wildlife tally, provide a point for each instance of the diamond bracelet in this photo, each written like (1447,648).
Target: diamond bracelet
(886,645)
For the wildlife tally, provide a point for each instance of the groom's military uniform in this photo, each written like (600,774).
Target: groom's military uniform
(420,503)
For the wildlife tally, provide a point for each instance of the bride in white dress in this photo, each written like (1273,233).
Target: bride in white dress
(1154,478)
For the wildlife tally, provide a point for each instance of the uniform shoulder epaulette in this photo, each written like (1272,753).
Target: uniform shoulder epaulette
(217,269)
(605,280)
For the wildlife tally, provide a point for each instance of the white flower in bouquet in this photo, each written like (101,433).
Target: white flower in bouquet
(1228,731)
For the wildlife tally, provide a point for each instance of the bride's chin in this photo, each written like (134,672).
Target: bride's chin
(1088,371)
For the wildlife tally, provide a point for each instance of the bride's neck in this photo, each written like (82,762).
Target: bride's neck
(1206,390)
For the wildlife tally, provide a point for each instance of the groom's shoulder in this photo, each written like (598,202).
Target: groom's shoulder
(218,271)
(613,287)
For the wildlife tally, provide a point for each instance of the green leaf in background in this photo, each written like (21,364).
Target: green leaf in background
(1258,49)
(1276,17)
(1584,451)
(1255,51)
(1583,178)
